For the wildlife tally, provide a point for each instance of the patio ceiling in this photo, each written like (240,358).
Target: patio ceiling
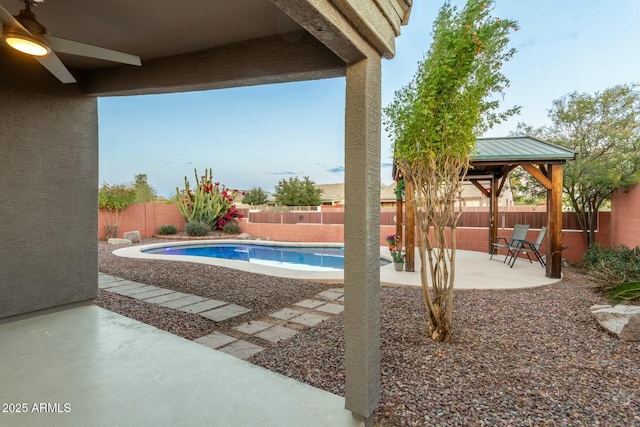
(197,45)
(156,29)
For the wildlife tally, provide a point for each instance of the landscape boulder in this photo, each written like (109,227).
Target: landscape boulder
(114,241)
(134,236)
(622,320)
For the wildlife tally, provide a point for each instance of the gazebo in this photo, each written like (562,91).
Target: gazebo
(492,162)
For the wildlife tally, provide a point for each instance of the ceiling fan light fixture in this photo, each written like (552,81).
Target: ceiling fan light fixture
(26,43)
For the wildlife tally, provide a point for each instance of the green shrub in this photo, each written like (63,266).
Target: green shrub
(167,229)
(625,292)
(610,267)
(231,228)
(197,229)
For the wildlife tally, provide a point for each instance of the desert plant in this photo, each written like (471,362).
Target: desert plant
(625,292)
(611,267)
(167,229)
(210,203)
(197,229)
(231,227)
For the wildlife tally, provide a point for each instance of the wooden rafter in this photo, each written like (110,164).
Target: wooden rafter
(480,187)
(537,174)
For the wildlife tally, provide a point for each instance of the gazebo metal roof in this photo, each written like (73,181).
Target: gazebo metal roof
(498,156)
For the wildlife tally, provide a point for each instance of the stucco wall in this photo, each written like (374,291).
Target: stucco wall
(48,185)
(625,211)
(143,217)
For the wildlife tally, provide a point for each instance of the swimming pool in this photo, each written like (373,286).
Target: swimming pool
(272,267)
(318,258)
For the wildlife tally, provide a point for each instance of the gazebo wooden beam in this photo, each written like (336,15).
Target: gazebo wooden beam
(480,187)
(539,175)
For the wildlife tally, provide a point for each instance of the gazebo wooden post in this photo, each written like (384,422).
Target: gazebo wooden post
(410,227)
(493,213)
(399,220)
(554,222)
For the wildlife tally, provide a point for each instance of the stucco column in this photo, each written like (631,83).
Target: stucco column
(362,237)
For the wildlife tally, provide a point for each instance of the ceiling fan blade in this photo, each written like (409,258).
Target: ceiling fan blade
(90,51)
(10,21)
(52,63)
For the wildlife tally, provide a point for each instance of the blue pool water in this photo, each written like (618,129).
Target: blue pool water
(301,258)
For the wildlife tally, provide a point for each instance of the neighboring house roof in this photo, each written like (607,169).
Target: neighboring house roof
(387,194)
(331,192)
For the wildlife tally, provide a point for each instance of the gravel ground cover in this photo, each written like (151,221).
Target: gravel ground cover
(532,357)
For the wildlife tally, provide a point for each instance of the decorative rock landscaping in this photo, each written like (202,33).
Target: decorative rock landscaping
(133,236)
(621,320)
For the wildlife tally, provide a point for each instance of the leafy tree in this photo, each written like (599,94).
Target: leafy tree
(255,196)
(114,199)
(144,192)
(526,189)
(434,122)
(604,130)
(297,192)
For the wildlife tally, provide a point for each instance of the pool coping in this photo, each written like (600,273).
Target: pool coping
(309,275)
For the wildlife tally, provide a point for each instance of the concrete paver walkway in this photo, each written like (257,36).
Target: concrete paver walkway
(211,309)
(278,326)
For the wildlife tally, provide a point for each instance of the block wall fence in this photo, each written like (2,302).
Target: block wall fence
(620,226)
(143,217)
(625,204)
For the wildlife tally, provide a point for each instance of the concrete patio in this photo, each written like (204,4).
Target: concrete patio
(86,366)
(474,270)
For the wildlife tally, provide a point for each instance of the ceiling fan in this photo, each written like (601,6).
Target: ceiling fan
(25,34)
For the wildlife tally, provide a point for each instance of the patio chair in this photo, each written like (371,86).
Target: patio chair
(519,234)
(525,247)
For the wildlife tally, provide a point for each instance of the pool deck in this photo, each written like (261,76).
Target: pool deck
(474,270)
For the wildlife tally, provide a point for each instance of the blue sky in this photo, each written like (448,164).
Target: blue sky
(256,136)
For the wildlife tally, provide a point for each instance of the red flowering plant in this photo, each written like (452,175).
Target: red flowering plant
(210,203)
